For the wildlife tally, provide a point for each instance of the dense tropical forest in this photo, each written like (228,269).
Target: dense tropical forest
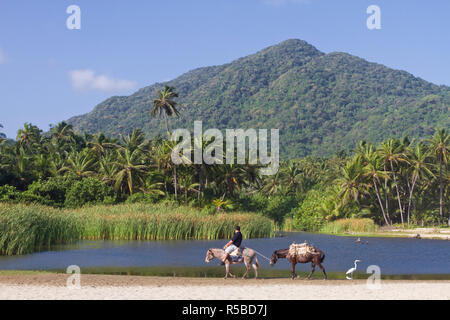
(398,181)
(321,103)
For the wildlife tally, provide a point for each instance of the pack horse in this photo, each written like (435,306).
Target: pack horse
(301,253)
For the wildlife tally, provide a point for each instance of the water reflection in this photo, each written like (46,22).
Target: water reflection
(393,255)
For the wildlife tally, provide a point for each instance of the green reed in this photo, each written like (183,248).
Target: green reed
(28,228)
(350,225)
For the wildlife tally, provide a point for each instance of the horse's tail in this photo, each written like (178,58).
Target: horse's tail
(256,262)
(322,256)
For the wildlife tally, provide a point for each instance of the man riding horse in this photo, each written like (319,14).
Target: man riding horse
(233,244)
(248,255)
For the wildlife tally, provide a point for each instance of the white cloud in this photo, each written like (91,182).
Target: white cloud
(88,80)
(283,2)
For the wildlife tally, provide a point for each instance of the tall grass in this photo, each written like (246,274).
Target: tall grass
(24,229)
(288,224)
(350,225)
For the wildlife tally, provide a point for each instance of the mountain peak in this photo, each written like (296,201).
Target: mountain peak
(294,47)
(321,103)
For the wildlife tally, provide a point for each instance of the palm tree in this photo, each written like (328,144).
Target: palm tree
(131,169)
(135,141)
(108,167)
(153,184)
(440,147)
(2,135)
(62,133)
(28,135)
(392,152)
(168,150)
(228,178)
(271,184)
(42,165)
(187,184)
(99,144)
(18,163)
(372,172)
(420,166)
(351,181)
(165,105)
(56,164)
(290,176)
(80,163)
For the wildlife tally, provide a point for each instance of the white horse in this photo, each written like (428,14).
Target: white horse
(248,255)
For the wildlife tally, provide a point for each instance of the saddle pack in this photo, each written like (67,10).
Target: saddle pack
(297,249)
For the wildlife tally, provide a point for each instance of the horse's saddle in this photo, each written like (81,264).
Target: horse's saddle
(236,253)
(301,249)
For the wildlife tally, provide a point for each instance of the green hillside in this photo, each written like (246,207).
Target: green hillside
(322,103)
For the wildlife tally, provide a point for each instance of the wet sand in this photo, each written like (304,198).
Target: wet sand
(100,287)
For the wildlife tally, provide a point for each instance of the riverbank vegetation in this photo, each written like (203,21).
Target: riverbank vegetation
(395,181)
(28,228)
(343,226)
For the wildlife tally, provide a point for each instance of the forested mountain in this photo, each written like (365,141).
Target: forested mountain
(322,103)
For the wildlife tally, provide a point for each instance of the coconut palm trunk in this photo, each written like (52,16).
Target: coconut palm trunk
(166,121)
(380,202)
(386,195)
(175,181)
(441,193)
(398,193)
(199,183)
(410,197)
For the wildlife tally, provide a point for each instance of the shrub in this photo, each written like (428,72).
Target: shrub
(274,207)
(89,191)
(141,197)
(254,203)
(288,224)
(8,193)
(209,209)
(278,207)
(12,195)
(309,216)
(52,191)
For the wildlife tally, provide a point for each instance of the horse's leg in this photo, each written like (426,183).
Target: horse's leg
(231,275)
(313,267)
(227,269)
(255,265)
(323,270)
(293,263)
(247,268)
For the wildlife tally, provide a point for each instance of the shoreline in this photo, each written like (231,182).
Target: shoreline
(94,287)
(212,273)
(425,233)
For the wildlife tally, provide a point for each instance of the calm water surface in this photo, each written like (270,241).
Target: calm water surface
(393,255)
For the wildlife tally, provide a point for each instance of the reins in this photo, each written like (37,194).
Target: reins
(261,255)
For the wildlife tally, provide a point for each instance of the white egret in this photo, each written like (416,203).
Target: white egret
(351,270)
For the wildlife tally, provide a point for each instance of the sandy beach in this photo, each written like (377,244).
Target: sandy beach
(101,287)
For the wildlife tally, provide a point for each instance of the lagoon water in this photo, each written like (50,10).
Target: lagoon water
(392,255)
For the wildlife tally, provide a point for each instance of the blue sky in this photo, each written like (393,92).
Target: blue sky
(49,73)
